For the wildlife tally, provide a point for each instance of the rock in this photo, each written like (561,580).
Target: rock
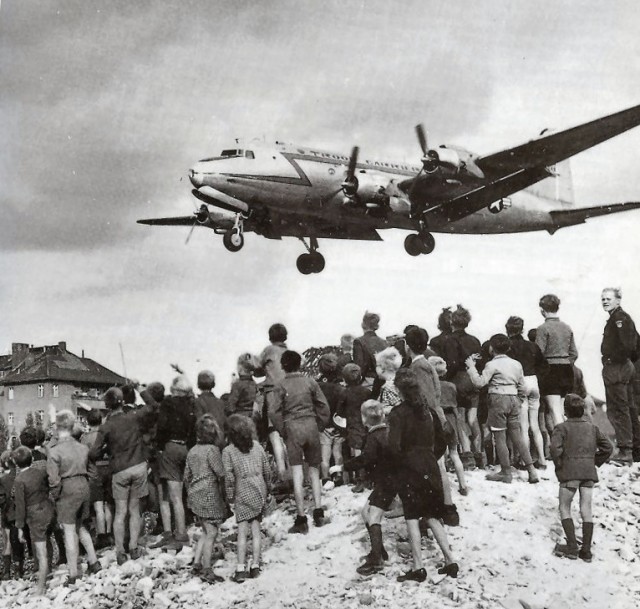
(161,600)
(130,568)
(626,553)
(145,585)
(365,598)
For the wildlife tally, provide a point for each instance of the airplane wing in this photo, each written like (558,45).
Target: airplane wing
(176,221)
(512,170)
(569,217)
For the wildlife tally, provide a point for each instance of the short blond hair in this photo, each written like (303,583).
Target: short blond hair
(372,412)
(65,419)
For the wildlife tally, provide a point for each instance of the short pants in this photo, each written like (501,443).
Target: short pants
(558,380)
(39,520)
(172,461)
(302,439)
(130,482)
(576,484)
(450,415)
(100,486)
(383,494)
(504,412)
(73,504)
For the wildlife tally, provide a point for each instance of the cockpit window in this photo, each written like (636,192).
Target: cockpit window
(230,153)
(249,154)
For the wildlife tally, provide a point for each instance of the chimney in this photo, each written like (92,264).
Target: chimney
(83,354)
(62,346)
(19,352)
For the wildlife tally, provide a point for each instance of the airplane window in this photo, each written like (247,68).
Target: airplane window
(230,153)
(249,154)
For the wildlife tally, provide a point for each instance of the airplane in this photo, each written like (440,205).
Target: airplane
(284,190)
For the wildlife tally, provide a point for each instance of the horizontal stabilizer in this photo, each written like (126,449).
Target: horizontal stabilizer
(176,221)
(569,217)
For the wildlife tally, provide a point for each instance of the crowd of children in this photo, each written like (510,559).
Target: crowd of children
(387,415)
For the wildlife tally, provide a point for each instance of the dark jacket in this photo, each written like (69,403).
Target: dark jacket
(457,348)
(177,421)
(528,354)
(297,397)
(577,447)
(376,457)
(349,408)
(619,341)
(438,343)
(364,351)
(208,403)
(31,488)
(335,394)
(7,504)
(242,396)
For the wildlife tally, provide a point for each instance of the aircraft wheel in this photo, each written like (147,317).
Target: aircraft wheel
(413,245)
(305,264)
(427,243)
(317,262)
(233,240)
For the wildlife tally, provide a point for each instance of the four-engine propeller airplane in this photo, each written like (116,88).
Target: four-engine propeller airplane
(290,191)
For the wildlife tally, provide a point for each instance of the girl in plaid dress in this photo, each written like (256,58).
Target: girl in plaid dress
(247,486)
(203,476)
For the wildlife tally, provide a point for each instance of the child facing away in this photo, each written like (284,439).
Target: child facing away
(355,395)
(449,403)
(12,546)
(377,459)
(33,507)
(204,477)
(244,389)
(577,448)
(388,362)
(504,379)
(247,472)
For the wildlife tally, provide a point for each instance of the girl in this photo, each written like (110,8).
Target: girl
(247,486)
(388,362)
(203,476)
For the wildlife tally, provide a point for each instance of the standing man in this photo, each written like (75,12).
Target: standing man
(366,346)
(619,348)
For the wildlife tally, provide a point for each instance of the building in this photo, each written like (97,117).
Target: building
(38,380)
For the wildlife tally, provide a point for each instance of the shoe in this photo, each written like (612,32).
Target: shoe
(468,461)
(480,460)
(70,580)
(635,455)
(94,568)
(135,553)
(464,491)
(217,554)
(254,572)
(538,465)
(566,551)
(196,569)
(585,555)
(239,577)
(533,479)
(451,517)
(417,575)
(300,525)
(358,488)
(370,566)
(329,485)
(450,570)
(623,456)
(178,542)
(165,539)
(211,578)
(500,477)
(102,541)
(318,517)
(121,558)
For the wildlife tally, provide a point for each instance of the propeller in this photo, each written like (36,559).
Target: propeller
(430,158)
(350,184)
(200,216)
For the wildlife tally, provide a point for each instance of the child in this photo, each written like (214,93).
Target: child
(207,402)
(33,507)
(505,381)
(577,448)
(203,475)
(100,493)
(331,438)
(449,403)
(377,459)
(388,362)
(355,395)
(247,487)
(299,411)
(12,544)
(68,468)
(244,390)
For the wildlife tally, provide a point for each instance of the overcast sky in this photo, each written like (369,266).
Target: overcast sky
(104,105)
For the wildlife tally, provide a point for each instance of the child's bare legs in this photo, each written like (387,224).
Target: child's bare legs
(446,484)
(41,553)
(440,536)
(458,467)
(101,524)
(118,524)
(175,497)
(208,539)
(502,452)
(197,553)
(71,547)
(476,436)
(463,430)
(243,531)
(256,541)
(298,490)
(518,442)
(524,422)
(556,410)
(536,434)
(565,498)
(586,495)
(135,521)
(316,486)
(164,506)
(326,450)
(278,454)
(413,530)
(6,548)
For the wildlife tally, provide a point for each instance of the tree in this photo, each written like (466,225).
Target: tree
(30,419)
(4,434)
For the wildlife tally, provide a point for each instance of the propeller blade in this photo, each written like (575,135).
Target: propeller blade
(353,161)
(422,138)
(190,232)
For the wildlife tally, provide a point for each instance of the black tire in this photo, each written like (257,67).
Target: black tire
(317,262)
(233,240)
(413,245)
(305,264)
(427,243)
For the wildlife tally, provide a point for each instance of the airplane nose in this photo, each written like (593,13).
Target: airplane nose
(196,178)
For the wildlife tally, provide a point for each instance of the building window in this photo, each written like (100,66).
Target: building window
(11,419)
(55,391)
(40,391)
(40,416)
(11,393)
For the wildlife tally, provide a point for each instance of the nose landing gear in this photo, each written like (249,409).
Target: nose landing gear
(313,261)
(420,243)
(233,239)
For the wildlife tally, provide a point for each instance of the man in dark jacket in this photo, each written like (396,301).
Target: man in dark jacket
(619,347)
(366,346)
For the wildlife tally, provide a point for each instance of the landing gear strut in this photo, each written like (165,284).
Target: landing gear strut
(233,239)
(313,261)
(421,243)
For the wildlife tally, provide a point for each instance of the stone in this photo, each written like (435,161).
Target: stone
(145,585)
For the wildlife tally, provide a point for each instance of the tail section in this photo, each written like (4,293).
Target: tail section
(559,187)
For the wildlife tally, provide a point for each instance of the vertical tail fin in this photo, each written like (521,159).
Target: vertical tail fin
(557,188)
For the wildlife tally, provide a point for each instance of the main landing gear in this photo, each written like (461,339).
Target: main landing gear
(420,243)
(313,261)
(233,239)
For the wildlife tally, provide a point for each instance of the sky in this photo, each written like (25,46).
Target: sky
(104,105)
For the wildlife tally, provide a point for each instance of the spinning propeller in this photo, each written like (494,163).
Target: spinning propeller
(200,216)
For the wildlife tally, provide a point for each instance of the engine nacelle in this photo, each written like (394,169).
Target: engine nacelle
(215,218)
(400,205)
(449,160)
(372,188)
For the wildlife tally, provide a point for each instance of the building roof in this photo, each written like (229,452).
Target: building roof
(57,364)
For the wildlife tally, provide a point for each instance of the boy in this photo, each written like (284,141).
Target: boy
(377,459)
(33,507)
(577,448)
(299,411)
(12,544)
(244,389)
(207,402)
(506,391)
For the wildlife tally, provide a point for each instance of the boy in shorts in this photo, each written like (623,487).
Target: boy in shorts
(377,459)
(299,412)
(577,448)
